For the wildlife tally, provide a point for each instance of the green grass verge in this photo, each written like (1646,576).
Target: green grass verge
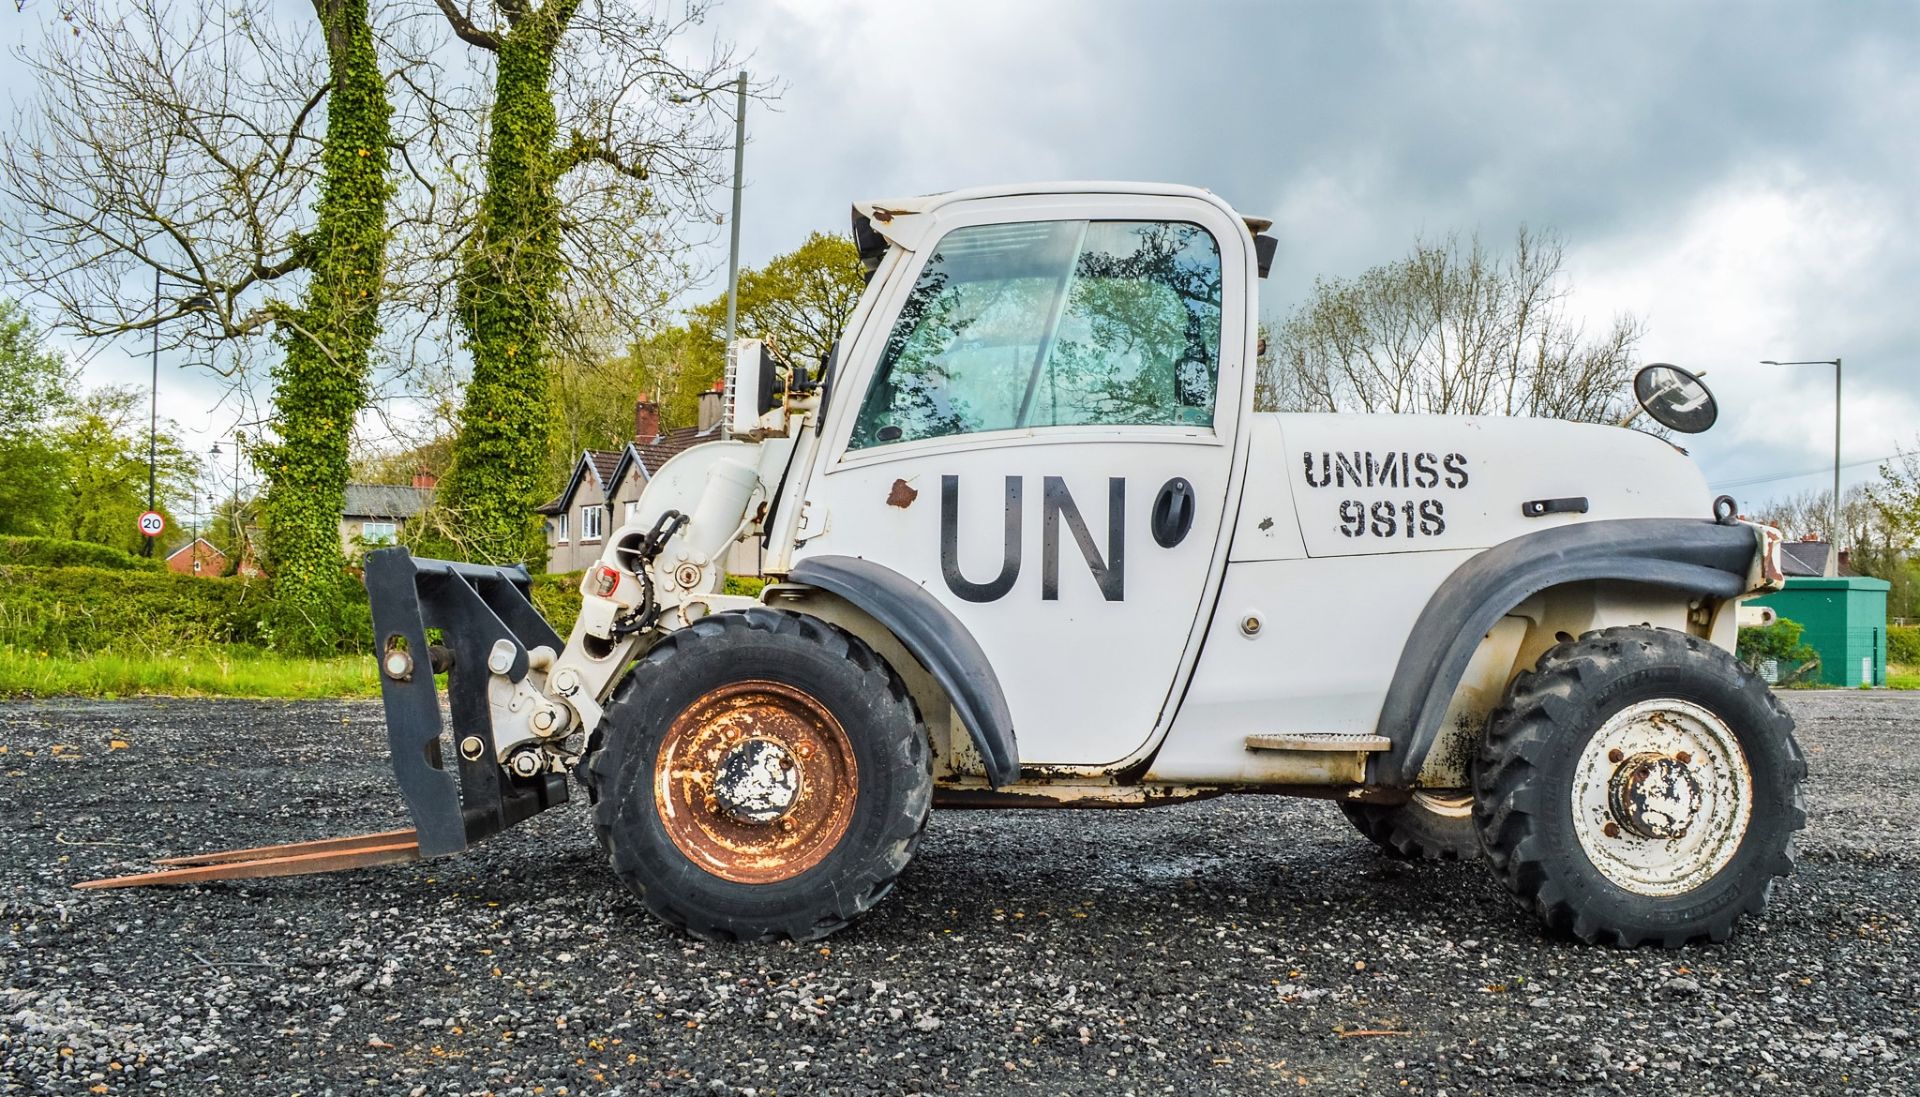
(202,672)
(1903,676)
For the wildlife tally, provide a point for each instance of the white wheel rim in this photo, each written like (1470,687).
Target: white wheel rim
(1458,805)
(1661,797)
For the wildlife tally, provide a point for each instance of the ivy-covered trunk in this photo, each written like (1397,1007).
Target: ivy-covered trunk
(321,380)
(508,280)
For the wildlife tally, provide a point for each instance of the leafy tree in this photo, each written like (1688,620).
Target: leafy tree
(33,389)
(101,440)
(799,302)
(320,382)
(628,147)
(1451,329)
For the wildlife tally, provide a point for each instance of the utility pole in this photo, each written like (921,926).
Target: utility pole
(153,410)
(739,165)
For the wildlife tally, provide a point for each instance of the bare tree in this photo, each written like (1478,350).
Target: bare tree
(1451,329)
(182,141)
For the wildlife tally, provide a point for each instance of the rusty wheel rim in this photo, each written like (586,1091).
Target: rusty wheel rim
(756,782)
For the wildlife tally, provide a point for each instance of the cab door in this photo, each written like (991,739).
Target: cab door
(1038,426)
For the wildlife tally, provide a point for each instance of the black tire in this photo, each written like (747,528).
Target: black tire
(1427,827)
(1539,741)
(801,655)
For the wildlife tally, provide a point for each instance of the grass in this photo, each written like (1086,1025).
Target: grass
(199,672)
(1903,676)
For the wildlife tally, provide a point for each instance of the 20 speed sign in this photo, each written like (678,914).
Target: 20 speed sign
(151,523)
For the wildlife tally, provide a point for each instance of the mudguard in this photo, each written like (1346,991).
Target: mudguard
(1696,557)
(934,636)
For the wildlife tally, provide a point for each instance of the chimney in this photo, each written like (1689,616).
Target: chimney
(1846,564)
(646,419)
(424,479)
(711,401)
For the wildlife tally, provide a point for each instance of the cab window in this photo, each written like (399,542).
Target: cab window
(1052,323)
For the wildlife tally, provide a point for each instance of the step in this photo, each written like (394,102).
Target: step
(1321,740)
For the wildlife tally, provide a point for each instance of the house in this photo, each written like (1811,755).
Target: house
(1812,559)
(197,557)
(603,493)
(376,513)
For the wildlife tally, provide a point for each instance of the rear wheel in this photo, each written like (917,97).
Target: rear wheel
(762,774)
(1436,824)
(1640,785)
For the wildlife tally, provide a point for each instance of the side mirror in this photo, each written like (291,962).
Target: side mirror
(1675,399)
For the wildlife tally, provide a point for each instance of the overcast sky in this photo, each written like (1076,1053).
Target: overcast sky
(1745,177)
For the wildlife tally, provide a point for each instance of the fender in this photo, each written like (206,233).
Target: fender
(935,637)
(1696,556)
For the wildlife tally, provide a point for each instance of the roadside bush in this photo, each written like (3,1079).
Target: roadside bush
(53,552)
(81,610)
(1780,642)
(1903,644)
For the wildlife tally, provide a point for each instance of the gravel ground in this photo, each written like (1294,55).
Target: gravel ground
(1238,945)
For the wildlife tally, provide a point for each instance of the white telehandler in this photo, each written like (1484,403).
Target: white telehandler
(1032,546)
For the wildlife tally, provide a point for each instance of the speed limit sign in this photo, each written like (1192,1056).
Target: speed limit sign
(152,524)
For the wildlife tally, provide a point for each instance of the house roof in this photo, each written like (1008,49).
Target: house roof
(658,450)
(385,500)
(609,467)
(603,464)
(1804,558)
(197,541)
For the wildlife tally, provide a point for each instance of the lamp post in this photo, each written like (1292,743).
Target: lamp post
(733,225)
(197,301)
(1833,519)
(233,511)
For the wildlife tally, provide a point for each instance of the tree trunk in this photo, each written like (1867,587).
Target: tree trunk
(508,282)
(321,381)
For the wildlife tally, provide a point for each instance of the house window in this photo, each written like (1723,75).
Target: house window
(379,533)
(591,518)
(560,528)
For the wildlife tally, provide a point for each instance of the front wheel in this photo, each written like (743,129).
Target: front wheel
(1640,785)
(762,775)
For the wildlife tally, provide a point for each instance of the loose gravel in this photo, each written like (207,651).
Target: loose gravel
(1240,945)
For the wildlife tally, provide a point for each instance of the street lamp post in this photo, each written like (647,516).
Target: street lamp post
(733,225)
(233,499)
(197,301)
(1833,518)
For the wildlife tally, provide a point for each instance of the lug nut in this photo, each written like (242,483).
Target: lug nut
(1684,757)
(1616,756)
(471,748)
(1611,830)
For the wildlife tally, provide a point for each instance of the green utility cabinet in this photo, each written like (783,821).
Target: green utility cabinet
(1845,621)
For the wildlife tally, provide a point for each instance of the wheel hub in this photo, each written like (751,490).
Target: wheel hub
(757,781)
(1661,798)
(1655,796)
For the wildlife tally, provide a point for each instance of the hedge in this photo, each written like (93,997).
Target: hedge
(52,552)
(1903,644)
(77,610)
(82,610)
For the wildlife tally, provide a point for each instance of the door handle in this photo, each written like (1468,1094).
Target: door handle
(1172,512)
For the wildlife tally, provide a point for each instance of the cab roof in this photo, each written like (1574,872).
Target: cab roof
(884,210)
